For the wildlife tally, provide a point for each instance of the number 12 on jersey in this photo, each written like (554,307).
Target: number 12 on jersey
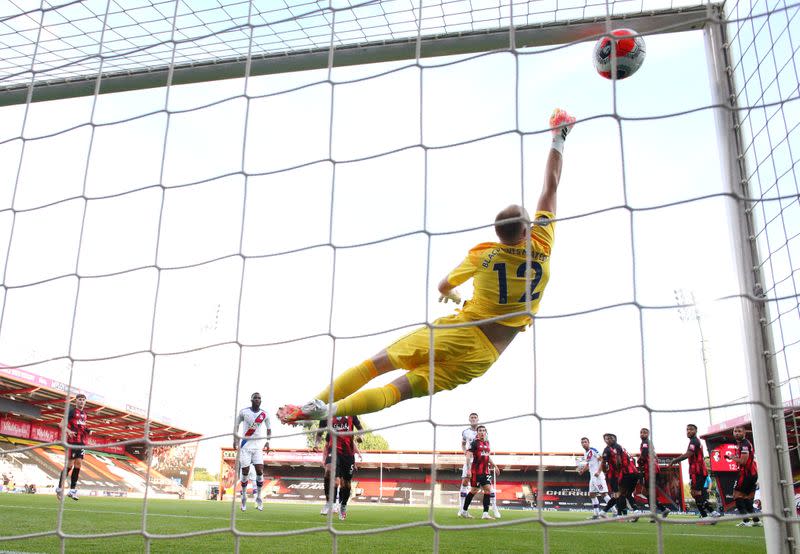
(502,280)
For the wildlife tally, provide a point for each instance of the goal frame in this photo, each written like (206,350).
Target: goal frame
(662,21)
(765,401)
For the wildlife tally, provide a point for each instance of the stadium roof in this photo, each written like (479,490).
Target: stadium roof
(791,415)
(41,399)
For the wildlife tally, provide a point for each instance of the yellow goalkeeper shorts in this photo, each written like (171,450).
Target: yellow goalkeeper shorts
(460,354)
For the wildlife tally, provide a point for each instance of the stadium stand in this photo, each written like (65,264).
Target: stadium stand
(31,410)
(402,477)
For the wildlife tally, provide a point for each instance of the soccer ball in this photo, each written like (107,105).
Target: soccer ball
(630,53)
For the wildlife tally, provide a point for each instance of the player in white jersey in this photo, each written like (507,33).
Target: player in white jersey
(254,430)
(592,462)
(467,436)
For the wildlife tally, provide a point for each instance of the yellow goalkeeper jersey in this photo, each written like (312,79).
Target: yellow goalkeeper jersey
(503,277)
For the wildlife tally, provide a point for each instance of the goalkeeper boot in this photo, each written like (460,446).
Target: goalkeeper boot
(561,123)
(292,415)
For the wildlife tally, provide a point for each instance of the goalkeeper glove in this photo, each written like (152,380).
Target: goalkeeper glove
(561,124)
(452,296)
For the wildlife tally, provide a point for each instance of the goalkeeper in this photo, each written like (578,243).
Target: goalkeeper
(509,278)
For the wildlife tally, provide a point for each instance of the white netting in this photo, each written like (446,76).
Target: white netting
(228,232)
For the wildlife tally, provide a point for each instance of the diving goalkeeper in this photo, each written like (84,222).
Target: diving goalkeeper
(509,278)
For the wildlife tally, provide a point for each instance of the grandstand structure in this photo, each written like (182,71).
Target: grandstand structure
(116,463)
(720,441)
(407,477)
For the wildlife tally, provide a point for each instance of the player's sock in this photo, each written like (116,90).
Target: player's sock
(701,506)
(493,499)
(741,507)
(706,504)
(468,500)
(259,484)
(326,486)
(606,499)
(609,504)
(73,482)
(350,381)
(344,496)
(622,505)
(368,401)
(61,478)
(486,502)
(751,509)
(595,506)
(244,491)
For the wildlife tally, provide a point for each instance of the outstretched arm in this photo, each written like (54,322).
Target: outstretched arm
(680,458)
(561,123)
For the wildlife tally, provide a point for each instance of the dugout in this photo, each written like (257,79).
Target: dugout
(719,440)
(408,477)
(31,409)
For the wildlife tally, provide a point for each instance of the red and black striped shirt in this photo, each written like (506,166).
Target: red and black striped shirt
(344,443)
(748,468)
(619,461)
(644,458)
(76,422)
(480,457)
(697,463)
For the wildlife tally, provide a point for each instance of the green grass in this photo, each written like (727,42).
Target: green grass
(23,514)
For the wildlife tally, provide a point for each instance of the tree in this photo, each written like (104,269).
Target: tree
(370,440)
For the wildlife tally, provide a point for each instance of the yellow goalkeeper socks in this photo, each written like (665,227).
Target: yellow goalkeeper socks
(368,401)
(350,381)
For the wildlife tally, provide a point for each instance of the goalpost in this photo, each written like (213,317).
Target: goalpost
(89,269)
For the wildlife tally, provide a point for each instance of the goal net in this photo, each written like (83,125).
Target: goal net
(199,201)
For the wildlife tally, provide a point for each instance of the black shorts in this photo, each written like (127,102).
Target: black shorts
(481,480)
(76,452)
(613,484)
(746,484)
(627,482)
(345,466)
(698,482)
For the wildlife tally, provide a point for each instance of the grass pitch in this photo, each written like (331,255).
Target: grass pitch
(123,521)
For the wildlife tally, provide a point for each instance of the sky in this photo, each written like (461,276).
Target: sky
(184,261)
